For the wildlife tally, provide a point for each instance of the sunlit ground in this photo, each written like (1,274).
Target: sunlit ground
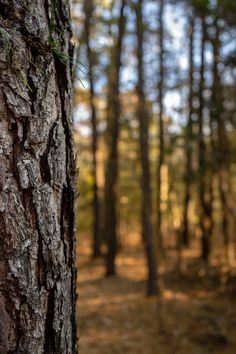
(196,313)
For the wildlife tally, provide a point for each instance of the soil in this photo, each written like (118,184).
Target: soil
(195,313)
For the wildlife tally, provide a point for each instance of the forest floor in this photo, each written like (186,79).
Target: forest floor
(196,313)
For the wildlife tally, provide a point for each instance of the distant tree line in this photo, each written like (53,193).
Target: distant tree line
(160,126)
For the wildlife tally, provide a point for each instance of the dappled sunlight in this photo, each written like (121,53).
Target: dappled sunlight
(114,315)
(172,295)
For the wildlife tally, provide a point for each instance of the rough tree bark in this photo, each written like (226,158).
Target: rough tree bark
(142,114)
(113,121)
(37,243)
(88,10)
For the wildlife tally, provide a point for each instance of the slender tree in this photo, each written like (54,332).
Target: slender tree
(143,118)
(219,130)
(88,11)
(113,121)
(161,132)
(188,139)
(37,243)
(205,171)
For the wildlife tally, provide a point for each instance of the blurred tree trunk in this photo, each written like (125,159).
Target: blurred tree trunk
(220,136)
(161,132)
(113,120)
(88,11)
(205,171)
(144,153)
(37,242)
(188,140)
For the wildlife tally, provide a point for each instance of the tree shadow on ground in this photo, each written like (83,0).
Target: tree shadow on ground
(195,314)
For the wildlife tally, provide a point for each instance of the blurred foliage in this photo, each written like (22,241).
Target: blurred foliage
(176,109)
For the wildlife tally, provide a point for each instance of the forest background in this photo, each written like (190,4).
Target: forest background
(155,115)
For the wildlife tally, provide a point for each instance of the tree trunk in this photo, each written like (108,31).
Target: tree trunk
(161,132)
(220,140)
(205,173)
(189,140)
(37,242)
(113,121)
(142,114)
(88,10)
